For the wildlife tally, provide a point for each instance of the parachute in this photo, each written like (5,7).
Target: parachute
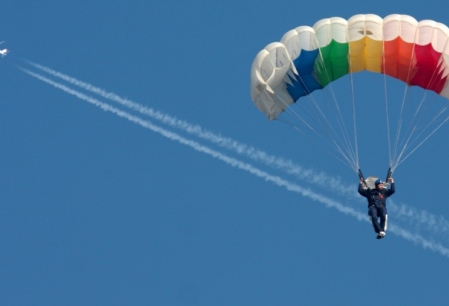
(310,59)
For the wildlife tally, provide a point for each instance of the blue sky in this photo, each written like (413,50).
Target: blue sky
(102,209)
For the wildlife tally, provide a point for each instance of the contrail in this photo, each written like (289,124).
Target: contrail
(419,219)
(422,219)
(242,165)
(276,162)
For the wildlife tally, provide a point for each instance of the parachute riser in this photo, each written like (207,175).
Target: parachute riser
(359,172)
(389,174)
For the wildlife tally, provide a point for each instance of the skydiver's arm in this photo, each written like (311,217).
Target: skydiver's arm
(392,187)
(361,190)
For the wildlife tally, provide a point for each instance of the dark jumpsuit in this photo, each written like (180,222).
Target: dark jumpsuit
(377,206)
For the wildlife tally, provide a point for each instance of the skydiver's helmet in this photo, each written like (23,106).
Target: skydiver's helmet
(377,182)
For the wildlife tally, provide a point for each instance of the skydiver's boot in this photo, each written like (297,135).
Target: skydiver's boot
(380,235)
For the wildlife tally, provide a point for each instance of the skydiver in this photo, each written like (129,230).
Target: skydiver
(377,205)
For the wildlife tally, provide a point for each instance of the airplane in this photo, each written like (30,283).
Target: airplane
(4,52)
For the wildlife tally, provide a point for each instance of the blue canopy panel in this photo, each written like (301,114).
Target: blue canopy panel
(306,82)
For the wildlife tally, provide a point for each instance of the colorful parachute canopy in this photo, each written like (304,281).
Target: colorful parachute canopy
(309,58)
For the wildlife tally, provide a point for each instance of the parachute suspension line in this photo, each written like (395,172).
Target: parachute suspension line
(339,118)
(328,84)
(400,119)
(332,133)
(294,113)
(412,128)
(424,97)
(347,157)
(356,150)
(354,121)
(318,117)
(444,121)
(323,119)
(402,146)
(386,107)
(343,142)
(387,114)
(425,127)
(351,163)
(414,122)
(418,118)
(345,160)
(399,124)
(338,149)
(342,126)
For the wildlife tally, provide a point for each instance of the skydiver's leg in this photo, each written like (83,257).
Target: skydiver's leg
(383,218)
(372,213)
